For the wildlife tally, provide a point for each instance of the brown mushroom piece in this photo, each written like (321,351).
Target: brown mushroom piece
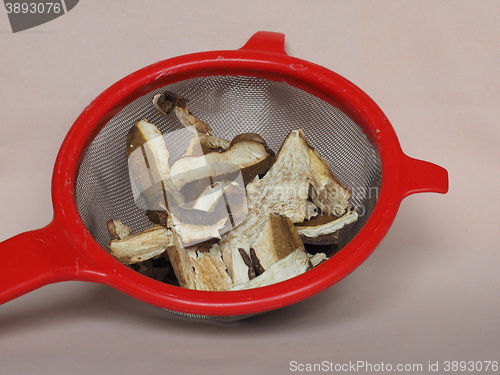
(117,230)
(181,263)
(250,157)
(326,192)
(294,264)
(243,137)
(317,259)
(169,101)
(202,143)
(210,273)
(323,229)
(191,233)
(277,240)
(217,210)
(195,267)
(149,169)
(142,246)
(283,190)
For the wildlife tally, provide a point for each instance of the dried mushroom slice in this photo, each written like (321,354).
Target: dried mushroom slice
(210,273)
(283,190)
(169,101)
(326,192)
(149,169)
(142,246)
(321,233)
(181,264)
(249,157)
(215,195)
(218,209)
(292,265)
(117,230)
(317,259)
(191,234)
(199,267)
(277,240)
(244,137)
(202,143)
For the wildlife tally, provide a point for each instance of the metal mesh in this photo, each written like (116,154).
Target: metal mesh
(230,105)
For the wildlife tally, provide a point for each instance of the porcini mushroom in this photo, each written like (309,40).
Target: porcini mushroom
(292,265)
(321,230)
(117,230)
(169,101)
(142,246)
(149,169)
(278,239)
(249,157)
(326,192)
(283,190)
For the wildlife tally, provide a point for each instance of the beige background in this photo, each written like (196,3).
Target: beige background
(430,292)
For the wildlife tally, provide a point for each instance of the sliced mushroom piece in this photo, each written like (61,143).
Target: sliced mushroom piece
(117,230)
(191,234)
(277,240)
(149,169)
(283,190)
(226,197)
(322,230)
(244,137)
(218,209)
(318,222)
(213,195)
(142,246)
(169,101)
(181,264)
(317,259)
(192,216)
(210,198)
(210,273)
(249,157)
(292,265)
(326,192)
(202,143)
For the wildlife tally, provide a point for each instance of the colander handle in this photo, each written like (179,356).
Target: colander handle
(422,177)
(266,41)
(33,259)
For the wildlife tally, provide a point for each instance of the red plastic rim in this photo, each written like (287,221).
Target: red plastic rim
(261,60)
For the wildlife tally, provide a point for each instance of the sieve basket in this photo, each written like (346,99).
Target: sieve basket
(66,250)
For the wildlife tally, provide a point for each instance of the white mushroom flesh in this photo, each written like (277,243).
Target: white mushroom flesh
(141,246)
(319,230)
(293,265)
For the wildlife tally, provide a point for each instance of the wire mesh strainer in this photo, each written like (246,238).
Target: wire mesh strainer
(258,88)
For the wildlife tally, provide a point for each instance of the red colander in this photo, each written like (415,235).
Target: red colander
(257,88)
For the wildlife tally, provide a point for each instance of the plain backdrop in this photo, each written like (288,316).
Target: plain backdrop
(430,292)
